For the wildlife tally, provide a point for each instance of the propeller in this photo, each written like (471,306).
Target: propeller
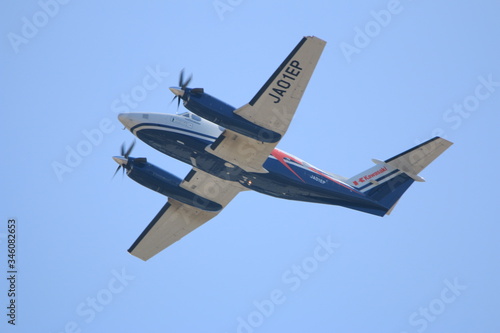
(123,159)
(182,85)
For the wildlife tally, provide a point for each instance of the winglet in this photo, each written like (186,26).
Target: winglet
(414,160)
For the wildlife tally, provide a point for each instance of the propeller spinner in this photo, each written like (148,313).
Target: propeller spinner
(179,91)
(123,159)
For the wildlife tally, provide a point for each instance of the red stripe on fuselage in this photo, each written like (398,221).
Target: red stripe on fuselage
(280,156)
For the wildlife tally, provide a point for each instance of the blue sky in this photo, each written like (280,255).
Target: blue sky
(393,74)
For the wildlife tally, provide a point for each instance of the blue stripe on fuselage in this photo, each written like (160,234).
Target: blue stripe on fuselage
(312,186)
(311,178)
(137,127)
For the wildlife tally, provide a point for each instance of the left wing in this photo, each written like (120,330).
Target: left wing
(176,219)
(272,108)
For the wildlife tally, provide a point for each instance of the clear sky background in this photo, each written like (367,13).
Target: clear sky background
(393,74)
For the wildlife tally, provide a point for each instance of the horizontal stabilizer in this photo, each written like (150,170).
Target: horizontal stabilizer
(416,159)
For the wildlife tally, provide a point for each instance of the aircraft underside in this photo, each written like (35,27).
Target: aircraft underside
(279,182)
(234,149)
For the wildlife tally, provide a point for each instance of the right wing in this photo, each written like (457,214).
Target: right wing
(176,219)
(275,103)
(272,108)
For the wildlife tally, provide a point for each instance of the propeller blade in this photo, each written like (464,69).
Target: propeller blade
(122,160)
(179,91)
(178,101)
(117,169)
(187,82)
(181,77)
(129,149)
(183,84)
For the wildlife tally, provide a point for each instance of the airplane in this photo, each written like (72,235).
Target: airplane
(234,149)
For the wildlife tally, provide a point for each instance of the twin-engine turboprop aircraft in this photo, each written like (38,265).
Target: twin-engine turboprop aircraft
(233,150)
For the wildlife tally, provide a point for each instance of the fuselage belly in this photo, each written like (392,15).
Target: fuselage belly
(288,177)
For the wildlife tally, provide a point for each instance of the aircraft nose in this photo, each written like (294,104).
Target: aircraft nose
(128,120)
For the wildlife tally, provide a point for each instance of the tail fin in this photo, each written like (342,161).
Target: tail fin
(386,182)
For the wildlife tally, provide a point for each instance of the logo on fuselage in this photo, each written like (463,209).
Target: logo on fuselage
(370,176)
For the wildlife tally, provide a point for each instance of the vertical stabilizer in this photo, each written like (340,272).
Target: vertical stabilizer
(386,182)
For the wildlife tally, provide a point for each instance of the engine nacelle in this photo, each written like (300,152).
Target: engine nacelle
(222,114)
(167,184)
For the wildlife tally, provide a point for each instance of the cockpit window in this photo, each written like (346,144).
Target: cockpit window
(195,117)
